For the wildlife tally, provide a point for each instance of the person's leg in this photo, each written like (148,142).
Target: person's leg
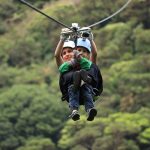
(74,102)
(65,80)
(87,95)
(76,80)
(85,76)
(81,75)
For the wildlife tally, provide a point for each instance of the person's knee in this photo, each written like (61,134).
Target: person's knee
(86,90)
(86,87)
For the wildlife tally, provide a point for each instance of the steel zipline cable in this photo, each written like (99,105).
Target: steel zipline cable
(36,9)
(111,16)
(72,29)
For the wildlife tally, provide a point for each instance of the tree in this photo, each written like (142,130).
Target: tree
(28,112)
(38,143)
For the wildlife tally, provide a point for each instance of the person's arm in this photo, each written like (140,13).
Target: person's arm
(85,63)
(63,36)
(57,54)
(93,57)
(64,67)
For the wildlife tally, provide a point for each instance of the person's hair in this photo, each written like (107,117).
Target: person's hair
(85,48)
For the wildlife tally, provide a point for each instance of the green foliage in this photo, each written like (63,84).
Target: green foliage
(34,74)
(93,10)
(118,130)
(106,143)
(142,42)
(68,132)
(32,116)
(144,137)
(40,34)
(121,123)
(38,143)
(3,28)
(5,45)
(78,147)
(36,113)
(25,52)
(139,17)
(130,78)
(114,40)
(6,9)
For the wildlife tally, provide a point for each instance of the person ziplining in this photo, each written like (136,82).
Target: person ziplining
(80,78)
(76,53)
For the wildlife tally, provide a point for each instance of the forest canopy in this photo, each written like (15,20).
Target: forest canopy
(32,115)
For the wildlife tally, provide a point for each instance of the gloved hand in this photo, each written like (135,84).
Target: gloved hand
(73,63)
(65,32)
(63,37)
(77,55)
(85,32)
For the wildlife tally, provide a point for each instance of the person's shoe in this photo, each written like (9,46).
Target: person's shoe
(75,115)
(91,114)
(85,77)
(76,80)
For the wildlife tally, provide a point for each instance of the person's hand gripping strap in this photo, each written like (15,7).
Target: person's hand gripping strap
(77,55)
(65,33)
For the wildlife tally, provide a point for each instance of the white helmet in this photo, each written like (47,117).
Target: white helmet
(84,42)
(70,44)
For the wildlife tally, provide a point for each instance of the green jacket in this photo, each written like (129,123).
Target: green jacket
(83,62)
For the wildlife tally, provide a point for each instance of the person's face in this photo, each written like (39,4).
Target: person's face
(67,54)
(84,52)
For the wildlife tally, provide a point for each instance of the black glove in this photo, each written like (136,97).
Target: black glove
(73,63)
(77,55)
